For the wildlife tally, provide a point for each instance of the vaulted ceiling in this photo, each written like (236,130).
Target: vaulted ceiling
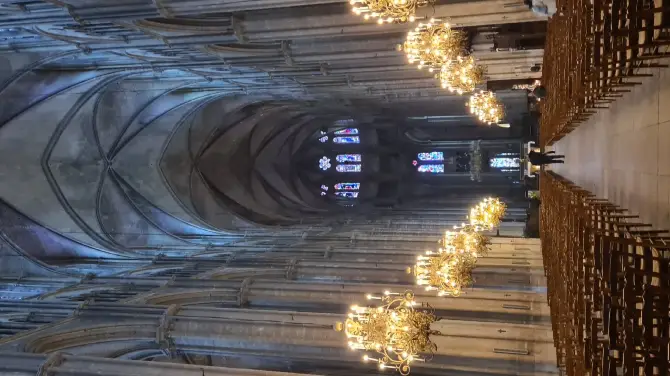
(306,49)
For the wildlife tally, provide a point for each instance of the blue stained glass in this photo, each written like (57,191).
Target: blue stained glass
(347,194)
(348,158)
(432,156)
(348,168)
(324,163)
(347,140)
(347,186)
(323,139)
(433,168)
(347,131)
(503,162)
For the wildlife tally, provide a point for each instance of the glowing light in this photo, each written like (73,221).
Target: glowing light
(433,44)
(323,139)
(461,75)
(488,213)
(486,107)
(395,329)
(391,11)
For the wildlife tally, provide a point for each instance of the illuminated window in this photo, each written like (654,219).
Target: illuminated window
(324,187)
(323,193)
(432,168)
(348,158)
(323,139)
(347,186)
(347,194)
(432,156)
(348,168)
(347,131)
(324,163)
(504,162)
(347,140)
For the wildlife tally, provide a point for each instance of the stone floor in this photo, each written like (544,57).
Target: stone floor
(623,153)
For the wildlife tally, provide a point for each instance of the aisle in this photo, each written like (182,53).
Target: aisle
(623,153)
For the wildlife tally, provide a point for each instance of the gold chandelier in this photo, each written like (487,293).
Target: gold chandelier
(466,239)
(486,107)
(448,271)
(395,329)
(433,44)
(461,75)
(388,10)
(487,214)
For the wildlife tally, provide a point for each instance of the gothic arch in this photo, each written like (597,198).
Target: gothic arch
(82,337)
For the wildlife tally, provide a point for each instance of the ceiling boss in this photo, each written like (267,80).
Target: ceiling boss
(390,11)
(397,329)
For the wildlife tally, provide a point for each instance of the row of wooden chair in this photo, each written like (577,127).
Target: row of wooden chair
(608,278)
(595,51)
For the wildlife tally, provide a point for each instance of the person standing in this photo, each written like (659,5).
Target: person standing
(539,159)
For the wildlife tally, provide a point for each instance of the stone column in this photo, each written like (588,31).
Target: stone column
(59,364)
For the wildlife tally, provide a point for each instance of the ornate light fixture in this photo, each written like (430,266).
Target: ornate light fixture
(448,271)
(486,107)
(433,44)
(461,75)
(388,10)
(396,330)
(466,239)
(487,214)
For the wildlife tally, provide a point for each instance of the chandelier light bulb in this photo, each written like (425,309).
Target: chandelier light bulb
(397,331)
(399,11)
(461,75)
(434,44)
(486,107)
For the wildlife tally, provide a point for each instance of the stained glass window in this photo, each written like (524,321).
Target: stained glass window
(348,158)
(324,187)
(347,140)
(432,156)
(348,168)
(347,186)
(504,162)
(323,193)
(432,168)
(347,194)
(324,163)
(323,139)
(347,131)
